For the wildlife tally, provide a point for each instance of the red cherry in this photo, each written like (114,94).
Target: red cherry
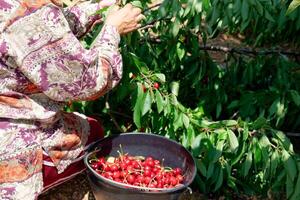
(130,179)
(130,168)
(123,174)
(158,176)
(147,173)
(173,181)
(159,185)
(177,171)
(148,168)
(127,162)
(136,165)
(156,85)
(156,162)
(150,163)
(149,158)
(96,165)
(123,165)
(118,180)
(106,168)
(147,180)
(116,174)
(179,178)
(144,88)
(139,179)
(156,170)
(114,168)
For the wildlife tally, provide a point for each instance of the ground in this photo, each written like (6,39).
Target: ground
(78,188)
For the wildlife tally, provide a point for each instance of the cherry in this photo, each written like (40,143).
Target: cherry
(114,168)
(157,162)
(139,179)
(149,158)
(123,165)
(147,173)
(177,171)
(116,174)
(147,180)
(156,85)
(173,180)
(130,170)
(148,168)
(144,89)
(95,165)
(179,178)
(150,163)
(130,179)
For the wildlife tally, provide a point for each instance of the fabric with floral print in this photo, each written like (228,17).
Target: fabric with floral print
(42,66)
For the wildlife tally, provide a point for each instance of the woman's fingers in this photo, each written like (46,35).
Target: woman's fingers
(125,19)
(140,17)
(136,11)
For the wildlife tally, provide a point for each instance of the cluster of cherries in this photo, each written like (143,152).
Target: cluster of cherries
(137,171)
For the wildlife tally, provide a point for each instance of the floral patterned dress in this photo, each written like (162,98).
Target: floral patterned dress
(42,66)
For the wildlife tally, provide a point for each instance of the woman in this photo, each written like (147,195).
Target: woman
(42,66)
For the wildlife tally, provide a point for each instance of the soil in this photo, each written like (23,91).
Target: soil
(78,188)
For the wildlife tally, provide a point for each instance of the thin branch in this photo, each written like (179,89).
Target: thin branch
(107,106)
(152,23)
(247,50)
(151,7)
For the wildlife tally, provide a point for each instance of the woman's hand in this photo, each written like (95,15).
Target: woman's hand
(125,19)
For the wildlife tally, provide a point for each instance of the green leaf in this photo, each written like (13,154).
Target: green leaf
(229,122)
(147,103)
(274,162)
(206,4)
(268,16)
(180,51)
(289,185)
(245,10)
(293,6)
(159,101)
(201,167)
(219,180)
(289,165)
(239,155)
(259,123)
(161,77)
(210,170)
(137,4)
(218,151)
(247,164)
(296,97)
(138,105)
(186,120)
(175,88)
(178,121)
(233,141)
(176,27)
(296,195)
(284,140)
(264,141)
(191,135)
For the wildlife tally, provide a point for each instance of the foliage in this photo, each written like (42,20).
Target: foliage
(227,114)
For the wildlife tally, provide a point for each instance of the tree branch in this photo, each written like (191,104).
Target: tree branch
(247,50)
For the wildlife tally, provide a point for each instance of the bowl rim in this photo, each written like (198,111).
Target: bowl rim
(137,188)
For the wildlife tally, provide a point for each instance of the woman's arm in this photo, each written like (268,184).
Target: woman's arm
(49,55)
(81,16)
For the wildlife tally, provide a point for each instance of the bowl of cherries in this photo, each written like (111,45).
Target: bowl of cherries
(139,166)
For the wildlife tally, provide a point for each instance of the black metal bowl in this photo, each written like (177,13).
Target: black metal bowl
(142,144)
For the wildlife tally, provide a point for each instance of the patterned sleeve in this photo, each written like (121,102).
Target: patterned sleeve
(82,16)
(50,56)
